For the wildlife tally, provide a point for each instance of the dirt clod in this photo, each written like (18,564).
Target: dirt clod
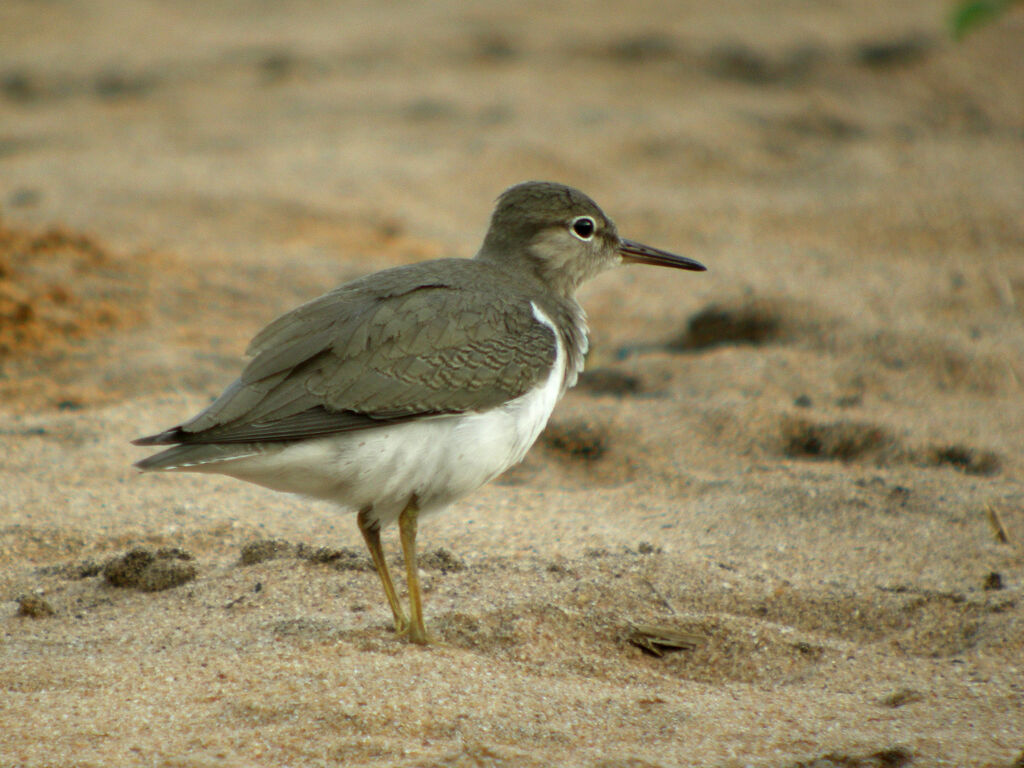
(716,325)
(609,381)
(35,607)
(442,560)
(150,571)
(344,559)
(578,439)
(970,461)
(839,440)
(265,549)
(892,757)
(993,581)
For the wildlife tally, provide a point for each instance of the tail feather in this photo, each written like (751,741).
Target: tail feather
(186,457)
(167,437)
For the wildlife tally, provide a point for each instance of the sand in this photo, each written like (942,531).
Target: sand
(779,523)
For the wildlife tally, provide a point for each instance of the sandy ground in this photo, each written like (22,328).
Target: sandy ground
(804,467)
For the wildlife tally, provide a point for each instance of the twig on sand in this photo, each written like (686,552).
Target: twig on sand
(996,521)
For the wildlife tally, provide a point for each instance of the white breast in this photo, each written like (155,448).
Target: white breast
(437,459)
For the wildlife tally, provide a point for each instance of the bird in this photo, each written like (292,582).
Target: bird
(404,390)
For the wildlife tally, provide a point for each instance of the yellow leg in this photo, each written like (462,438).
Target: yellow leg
(407,527)
(371,535)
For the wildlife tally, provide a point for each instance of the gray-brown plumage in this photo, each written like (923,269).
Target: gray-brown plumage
(414,341)
(403,390)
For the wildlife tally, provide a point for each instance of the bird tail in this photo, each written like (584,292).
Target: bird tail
(194,457)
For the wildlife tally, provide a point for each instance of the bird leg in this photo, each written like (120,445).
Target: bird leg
(407,527)
(371,535)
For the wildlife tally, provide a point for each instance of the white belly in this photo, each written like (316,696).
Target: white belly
(437,460)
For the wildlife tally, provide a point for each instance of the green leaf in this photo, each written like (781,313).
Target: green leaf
(969,15)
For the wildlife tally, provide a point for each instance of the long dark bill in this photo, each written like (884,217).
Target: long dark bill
(638,253)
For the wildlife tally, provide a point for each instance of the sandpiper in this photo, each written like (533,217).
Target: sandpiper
(404,390)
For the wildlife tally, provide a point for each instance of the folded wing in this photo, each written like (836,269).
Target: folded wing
(355,358)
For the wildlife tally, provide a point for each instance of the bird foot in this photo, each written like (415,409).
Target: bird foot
(415,634)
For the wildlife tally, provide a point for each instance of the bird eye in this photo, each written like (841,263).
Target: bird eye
(583,227)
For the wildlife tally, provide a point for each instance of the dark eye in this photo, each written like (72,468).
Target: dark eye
(583,227)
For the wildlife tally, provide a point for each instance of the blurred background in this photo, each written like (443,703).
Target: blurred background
(791,146)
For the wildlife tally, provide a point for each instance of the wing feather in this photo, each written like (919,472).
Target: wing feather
(404,349)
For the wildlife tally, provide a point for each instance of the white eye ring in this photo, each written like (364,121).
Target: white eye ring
(583,227)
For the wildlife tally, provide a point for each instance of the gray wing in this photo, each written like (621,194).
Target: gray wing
(350,360)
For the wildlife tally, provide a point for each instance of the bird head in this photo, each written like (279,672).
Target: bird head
(563,237)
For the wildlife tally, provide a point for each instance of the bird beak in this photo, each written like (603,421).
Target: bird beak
(633,252)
